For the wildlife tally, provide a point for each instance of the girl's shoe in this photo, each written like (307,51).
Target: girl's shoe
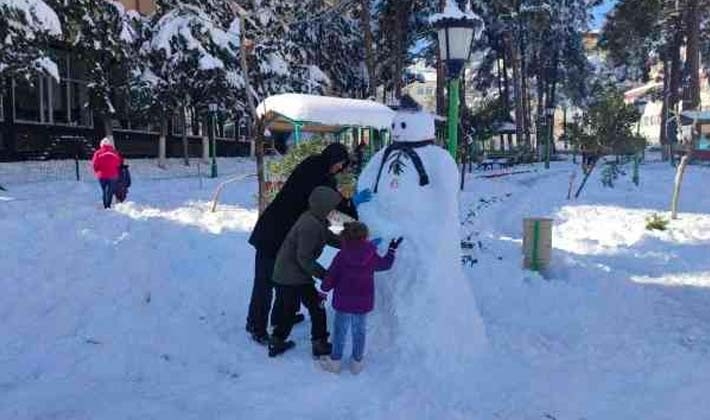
(330,365)
(356,367)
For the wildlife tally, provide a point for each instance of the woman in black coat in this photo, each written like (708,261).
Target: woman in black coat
(278,218)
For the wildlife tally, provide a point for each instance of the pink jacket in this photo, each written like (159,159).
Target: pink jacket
(351,274)
(107,163)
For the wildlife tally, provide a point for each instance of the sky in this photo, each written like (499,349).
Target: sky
(600,13)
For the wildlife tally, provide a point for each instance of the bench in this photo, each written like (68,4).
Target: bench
(491,163)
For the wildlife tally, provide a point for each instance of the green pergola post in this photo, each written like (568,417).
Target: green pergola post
(453,118)
(297,133)
(370,140)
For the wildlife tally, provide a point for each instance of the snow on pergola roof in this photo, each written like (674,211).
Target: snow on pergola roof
(322,113)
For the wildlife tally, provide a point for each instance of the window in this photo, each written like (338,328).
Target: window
(226,129)
(44,100)
(26,100)
(191,121)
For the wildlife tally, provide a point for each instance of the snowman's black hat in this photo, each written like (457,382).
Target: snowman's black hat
(406,103)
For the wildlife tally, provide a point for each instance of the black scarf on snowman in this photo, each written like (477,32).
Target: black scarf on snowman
(407,149)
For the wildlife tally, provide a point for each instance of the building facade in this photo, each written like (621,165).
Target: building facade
(45,118)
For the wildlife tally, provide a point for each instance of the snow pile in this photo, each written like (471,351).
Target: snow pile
(328,110)
(102,310)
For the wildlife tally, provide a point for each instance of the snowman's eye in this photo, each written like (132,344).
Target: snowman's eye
(393,126)
(404,125)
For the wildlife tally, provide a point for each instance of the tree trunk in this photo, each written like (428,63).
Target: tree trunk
(675,83)
(107,122)
(258,131)
(663,137)
(441,103)
(403,13)
(552,103)
(205,140)
(400,51)
(162,141)
(185,145)
(499,77)
(527,108)
(540,112)
(369,53)
(514,56)
(691,94)
(506,95)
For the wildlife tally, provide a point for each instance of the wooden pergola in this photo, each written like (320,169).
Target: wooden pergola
(300,113)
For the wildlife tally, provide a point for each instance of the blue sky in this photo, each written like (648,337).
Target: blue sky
(600,13)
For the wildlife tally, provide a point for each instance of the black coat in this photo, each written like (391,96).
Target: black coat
(292,200)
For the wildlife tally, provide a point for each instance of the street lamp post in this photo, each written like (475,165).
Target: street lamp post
(212,139)
(456,31)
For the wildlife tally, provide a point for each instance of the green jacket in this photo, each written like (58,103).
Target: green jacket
(297,260)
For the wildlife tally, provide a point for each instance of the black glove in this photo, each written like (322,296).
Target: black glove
(394,243)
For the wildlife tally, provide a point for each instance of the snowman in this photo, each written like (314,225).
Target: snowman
(425,308)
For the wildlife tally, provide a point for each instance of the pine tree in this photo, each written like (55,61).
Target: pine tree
(329,38)
(26,27)
(101,33)
(190,60)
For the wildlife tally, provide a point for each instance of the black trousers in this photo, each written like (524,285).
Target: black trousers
(261,294)
(287,302)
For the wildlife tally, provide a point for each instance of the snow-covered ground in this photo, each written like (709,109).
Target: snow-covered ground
(139,312)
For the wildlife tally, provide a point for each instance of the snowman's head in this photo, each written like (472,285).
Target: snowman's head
(413,126)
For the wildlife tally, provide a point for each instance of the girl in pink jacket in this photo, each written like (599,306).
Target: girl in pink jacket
(107,166)
(351,277)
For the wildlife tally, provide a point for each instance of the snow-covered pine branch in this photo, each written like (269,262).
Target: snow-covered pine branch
(26,26)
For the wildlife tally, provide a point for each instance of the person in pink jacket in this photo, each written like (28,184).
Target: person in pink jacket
(351,276)
(107,166)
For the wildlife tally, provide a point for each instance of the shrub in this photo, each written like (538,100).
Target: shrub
(656,222)
(279,170)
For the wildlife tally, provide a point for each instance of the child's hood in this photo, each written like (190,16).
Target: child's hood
(358,253)
(323,200)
